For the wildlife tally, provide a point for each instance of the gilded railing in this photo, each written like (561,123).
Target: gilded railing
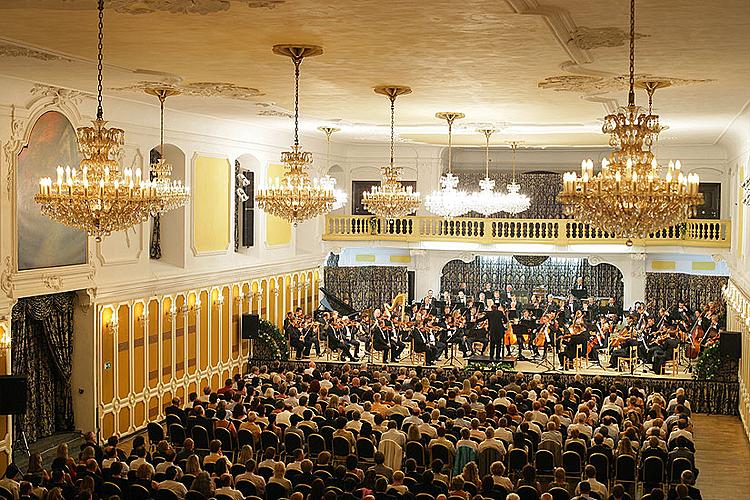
(697,232)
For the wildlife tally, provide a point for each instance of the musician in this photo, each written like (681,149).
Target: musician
(295,336)
(288,320)
(335,339)
(428,300)
(665,350)
(350,338)
(551,304)
(497,322)
(461,298)
(462,288)
(380,336)
(487,289)
(647,345)
(481,301)
(310,334)
(529,325)
(579,290)
(613,312)
(578,337)
(571,308)
(681,312)
(623,342)
(712,332)
(507,295)
(425,341)
(590,309)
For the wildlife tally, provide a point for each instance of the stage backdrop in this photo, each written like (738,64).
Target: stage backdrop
(366,286)
(556,274)
(41,241)
(668,288)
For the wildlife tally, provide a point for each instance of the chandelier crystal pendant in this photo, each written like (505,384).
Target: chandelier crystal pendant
(391,199)
(448,202)
(340,196)
(295,197)
(628,197)
(487,201)
(172,194)
(98,198)
(515,202)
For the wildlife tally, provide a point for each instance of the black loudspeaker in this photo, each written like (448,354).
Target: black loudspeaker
(12,395)
(730,344)
(250,325)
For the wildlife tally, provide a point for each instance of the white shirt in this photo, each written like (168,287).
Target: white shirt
(177,487)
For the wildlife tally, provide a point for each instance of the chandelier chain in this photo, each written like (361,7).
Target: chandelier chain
(393,124)
(100,66)
(297,62)
(162,98)
(450,144)
(631,93)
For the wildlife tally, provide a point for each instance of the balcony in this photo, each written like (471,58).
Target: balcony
(562,232)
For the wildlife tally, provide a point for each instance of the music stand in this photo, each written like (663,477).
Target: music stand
(519,330)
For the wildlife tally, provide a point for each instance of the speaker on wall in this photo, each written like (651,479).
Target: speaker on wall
(250,325)
(12,395)
(730,344)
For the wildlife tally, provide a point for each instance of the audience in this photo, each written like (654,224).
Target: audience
(454,419)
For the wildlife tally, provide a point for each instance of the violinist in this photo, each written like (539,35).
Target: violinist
(612,311)
(647,346)
(621,343)
(310,331)
(665,349)
(294,334)
(425,341)
(712,332)
(528,326)
(578,336)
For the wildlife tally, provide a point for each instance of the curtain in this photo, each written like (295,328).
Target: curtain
(155,245)
(541,187)
(666,289)
(42,345)
(556,274)
(366,286)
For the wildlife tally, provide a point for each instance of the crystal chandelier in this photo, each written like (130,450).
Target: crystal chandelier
(172,194)
(487,201)
(327,181)
(628,196)
(448,202)
(295,197)
(391,199)
(5,338)
(99,199)
(515,202)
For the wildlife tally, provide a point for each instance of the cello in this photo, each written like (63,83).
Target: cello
(510,337)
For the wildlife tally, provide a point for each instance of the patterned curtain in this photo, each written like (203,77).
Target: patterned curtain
(541,187)
(155,246)
(666,289)
(556,274)
(42,345)
(366,286)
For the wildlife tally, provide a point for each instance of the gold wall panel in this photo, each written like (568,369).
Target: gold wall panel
(172,345)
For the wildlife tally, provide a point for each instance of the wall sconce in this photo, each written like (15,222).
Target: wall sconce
(111,326)
(239,298)
(142,317)
(219,300)
(5,337)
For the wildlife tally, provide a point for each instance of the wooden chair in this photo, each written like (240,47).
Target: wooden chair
(626,363)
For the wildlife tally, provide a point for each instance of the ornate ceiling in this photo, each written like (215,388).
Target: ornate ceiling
(542,71)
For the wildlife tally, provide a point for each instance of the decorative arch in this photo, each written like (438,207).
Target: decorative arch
(167,241)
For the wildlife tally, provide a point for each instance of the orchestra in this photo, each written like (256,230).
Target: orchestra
(513,326)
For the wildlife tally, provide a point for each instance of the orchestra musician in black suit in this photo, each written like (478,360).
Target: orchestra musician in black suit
(295,337)
(665,351)
(579,290)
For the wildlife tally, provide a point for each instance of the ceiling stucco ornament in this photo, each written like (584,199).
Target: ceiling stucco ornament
(11,149)
(60,96)
(6,277)
(12,50)
(593,38)
(171,6)
(600,84)
(202,89)
(275,113)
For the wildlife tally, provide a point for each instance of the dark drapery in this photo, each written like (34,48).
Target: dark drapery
(42,345)
(696,290)
(556,274)
(154,251)
(366,286)
(541,187)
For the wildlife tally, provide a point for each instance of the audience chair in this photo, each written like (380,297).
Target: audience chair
(415,450)
(176,434)
(485,459)
(601,463)
(341,449)
(245,437)
(265,472)
(109,490)
(269,439)
(138,492)
(527,492)
(315,445)
(194,495)
(544,461)
(247,488)
(225,437)
(443,453)
(165,494)
(559,493)
(517,458)
(677,467)
(653,471)
(626,363)
(155,434)
(292,442)
(573,465)
(200,437)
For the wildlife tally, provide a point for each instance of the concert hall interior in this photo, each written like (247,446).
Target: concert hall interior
(401,250)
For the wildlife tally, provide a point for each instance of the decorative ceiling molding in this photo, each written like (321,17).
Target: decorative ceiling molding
(137,7)
(60,96)
(600,84)
(593,38)
(8,49)
(202,89)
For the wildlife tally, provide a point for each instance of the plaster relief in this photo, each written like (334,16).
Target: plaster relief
(202,89)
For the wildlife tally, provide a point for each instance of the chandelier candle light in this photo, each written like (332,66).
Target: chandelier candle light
(391,200)
(514,201)
(448,202)
(487,201)
(98,198)
(628,197)
(327,181)
(295,197)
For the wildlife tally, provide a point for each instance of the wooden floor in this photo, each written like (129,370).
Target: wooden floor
(722,457)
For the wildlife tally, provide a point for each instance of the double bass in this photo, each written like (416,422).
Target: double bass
(693,350)
(510,337)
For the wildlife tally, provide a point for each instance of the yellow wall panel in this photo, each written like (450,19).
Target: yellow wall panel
(181,337)
(166,340)
(203,333)
(663,265)
(278,231)
(153,343)
(123,354)
(703,266)
(226,322)
(365,257)
(108,350)
(400,259)
(139,349)
(108,424)
(211,199)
